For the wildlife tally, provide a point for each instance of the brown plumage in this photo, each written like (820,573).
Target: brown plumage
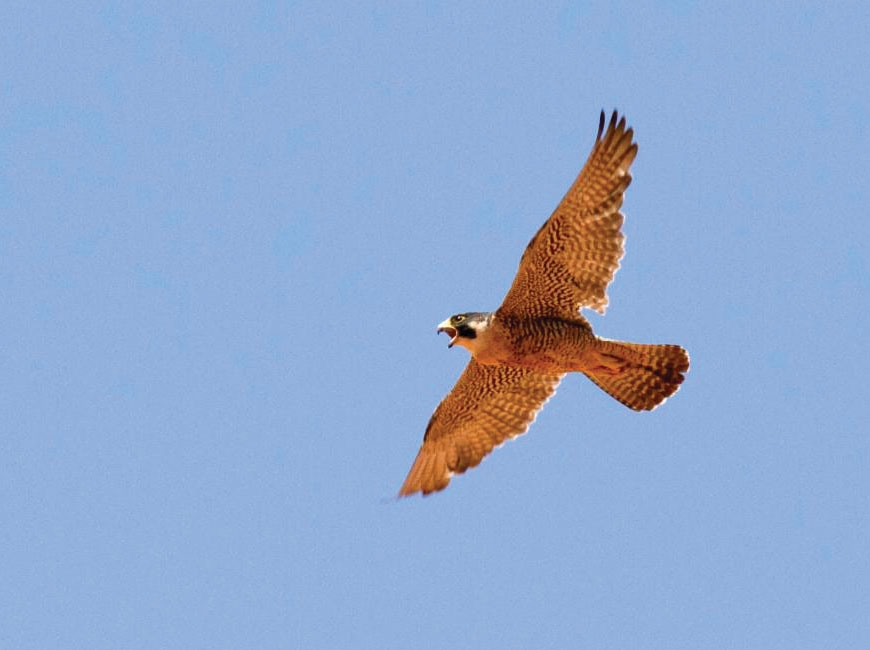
(497,403)
(521,351)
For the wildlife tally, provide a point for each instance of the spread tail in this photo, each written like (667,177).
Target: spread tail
(640,376)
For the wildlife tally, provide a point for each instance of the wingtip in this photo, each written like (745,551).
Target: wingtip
(616,123)
(408,489)
(428,474)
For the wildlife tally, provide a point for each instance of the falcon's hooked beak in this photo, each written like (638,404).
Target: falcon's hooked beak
(451,332)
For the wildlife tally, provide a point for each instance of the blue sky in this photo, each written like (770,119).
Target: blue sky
(228,233)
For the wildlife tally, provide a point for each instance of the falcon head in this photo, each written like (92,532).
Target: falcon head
(464,328)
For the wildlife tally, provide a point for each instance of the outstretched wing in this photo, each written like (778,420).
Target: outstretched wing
(573,257)
(488,405)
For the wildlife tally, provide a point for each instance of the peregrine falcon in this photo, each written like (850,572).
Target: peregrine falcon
(521,351)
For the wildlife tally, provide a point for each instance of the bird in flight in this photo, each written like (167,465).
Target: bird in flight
(521,351)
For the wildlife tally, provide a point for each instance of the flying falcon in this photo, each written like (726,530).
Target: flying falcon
(521,351)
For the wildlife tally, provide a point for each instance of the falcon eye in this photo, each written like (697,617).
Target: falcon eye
(459,318)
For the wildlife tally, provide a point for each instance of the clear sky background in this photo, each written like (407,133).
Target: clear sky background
(229,230)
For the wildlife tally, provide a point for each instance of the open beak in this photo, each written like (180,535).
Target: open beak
(451,331)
